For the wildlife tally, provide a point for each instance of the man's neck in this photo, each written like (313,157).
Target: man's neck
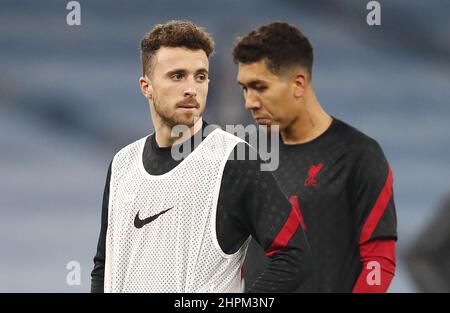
(309,124)
(164,138)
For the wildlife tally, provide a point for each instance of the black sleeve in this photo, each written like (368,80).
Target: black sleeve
(98,273)
(371,195)
(252,203)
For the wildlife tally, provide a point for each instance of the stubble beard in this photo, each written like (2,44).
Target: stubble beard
(171,119)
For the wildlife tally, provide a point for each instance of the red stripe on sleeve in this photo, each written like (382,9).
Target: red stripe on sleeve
(286,233)
(377,211)
(378,266)
(296,206)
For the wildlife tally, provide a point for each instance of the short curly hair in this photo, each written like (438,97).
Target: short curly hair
(280,43)
(176,33)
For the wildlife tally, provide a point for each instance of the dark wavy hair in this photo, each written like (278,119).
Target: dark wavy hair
(280,44)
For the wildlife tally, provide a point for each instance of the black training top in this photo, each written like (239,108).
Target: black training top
(342,185)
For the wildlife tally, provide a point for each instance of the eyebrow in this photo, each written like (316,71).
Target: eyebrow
(183,71)
(202,70)
(252,83)
(176,71)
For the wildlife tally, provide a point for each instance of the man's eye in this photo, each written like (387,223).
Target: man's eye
(176,77)
(244,89)
(201,77)
(260,88)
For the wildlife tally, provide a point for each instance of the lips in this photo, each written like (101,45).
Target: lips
(192,104)
(261,119)
(187,106)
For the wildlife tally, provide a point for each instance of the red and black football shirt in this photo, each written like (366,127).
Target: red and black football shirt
(341,183)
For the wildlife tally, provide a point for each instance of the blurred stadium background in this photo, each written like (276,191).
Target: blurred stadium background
(69,99)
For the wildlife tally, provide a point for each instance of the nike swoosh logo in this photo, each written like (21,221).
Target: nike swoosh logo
(138,223)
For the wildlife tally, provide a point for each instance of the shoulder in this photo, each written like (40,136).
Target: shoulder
(369,161)
(134,148)
(361,144)
(220,133)
(242,157)
(231,145)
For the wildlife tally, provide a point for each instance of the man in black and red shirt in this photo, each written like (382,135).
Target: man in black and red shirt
(337,177)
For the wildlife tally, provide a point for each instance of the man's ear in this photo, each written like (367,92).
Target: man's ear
(300,81)
(146,87)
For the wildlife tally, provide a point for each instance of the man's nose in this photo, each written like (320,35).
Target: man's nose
(190,90)
(252,103)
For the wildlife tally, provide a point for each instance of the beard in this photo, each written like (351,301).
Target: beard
(172,117)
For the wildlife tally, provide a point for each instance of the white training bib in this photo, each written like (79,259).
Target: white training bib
(161,234)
